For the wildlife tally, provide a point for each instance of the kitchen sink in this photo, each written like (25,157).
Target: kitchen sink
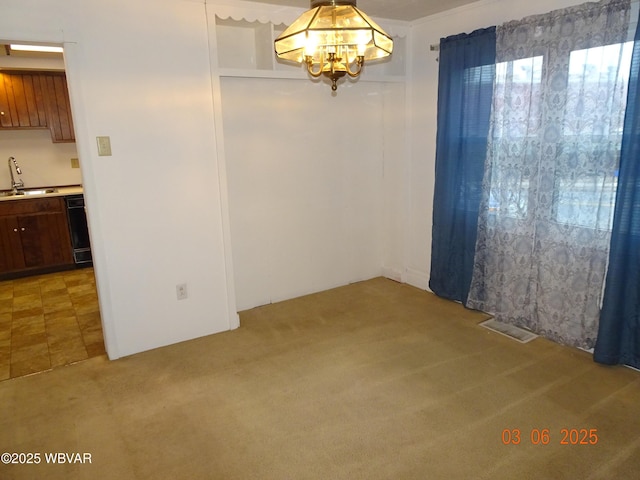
(34,191)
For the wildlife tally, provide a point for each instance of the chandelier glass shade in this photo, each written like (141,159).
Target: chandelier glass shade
(333,38)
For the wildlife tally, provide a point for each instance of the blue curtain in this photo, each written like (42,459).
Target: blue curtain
(465,90)
(619,330)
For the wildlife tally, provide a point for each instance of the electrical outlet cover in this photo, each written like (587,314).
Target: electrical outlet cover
(181,291)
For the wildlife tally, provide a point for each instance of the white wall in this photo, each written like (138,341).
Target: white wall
(306,174)
(139,73)
(43,163)
(423,90)
(313,176)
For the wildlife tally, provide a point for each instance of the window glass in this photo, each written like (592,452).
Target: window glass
(592,89)
(517,118)
(587,174)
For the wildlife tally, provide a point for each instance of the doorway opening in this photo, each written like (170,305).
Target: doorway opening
(49,316)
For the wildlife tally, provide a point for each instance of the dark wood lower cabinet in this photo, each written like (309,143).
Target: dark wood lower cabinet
(11,257)
(34,235)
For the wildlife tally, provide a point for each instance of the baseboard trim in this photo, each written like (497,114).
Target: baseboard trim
(392,274)
(417,279)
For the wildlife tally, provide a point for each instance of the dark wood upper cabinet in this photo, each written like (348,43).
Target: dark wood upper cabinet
(22,102)
(37,100)
(58,107)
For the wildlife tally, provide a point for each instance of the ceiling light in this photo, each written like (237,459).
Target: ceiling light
(334,38)
(36,48)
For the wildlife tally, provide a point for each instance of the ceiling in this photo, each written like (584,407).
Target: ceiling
(406,10)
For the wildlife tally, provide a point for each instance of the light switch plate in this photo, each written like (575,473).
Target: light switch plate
(104,146)
(75,163)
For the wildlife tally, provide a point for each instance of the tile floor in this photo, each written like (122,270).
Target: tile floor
(47,321)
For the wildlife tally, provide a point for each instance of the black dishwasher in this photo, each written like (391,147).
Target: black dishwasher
(79,230)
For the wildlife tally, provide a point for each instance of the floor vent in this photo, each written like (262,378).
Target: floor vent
(515,333)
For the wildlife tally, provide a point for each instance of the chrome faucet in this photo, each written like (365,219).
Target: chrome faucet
(19,184)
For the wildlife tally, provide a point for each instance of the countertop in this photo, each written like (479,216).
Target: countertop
(60,192)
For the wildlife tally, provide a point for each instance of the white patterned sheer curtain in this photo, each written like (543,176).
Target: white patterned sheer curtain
(551,171)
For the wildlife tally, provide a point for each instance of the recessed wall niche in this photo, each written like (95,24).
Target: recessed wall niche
(247,46)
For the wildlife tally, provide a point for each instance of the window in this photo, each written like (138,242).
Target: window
(518,98)
(592,136)
(590,91)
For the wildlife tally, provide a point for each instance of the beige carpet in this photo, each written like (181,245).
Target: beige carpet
(375,380)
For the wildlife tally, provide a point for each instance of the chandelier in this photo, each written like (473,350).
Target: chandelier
(334,38)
